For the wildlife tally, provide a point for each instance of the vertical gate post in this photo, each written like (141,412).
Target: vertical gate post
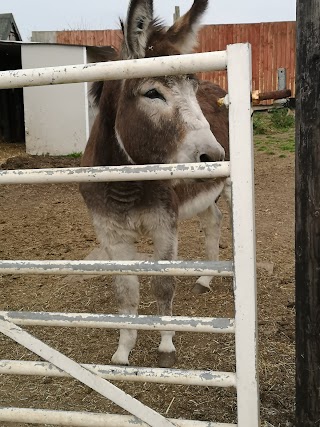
(242,178)
(308,214)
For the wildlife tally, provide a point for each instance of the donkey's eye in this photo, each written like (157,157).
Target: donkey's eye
(154,94)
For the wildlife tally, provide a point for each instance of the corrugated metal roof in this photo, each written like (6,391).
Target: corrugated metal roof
(7,25)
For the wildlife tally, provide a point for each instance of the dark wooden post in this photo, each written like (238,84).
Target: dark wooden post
(308,214)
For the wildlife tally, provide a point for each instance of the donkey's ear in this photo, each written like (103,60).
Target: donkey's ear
(137,27)
(184,32)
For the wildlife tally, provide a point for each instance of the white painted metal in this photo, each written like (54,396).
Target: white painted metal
(115,70)
(242,177)
(111,321)
(239,81)
(100,385)
(85,419)
(125,373)
(116,173)
(145,268)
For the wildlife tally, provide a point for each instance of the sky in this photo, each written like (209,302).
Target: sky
(43,15)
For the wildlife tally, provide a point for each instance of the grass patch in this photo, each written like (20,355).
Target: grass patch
(288,147)
(281,120)
(260,126)
(274,131)
(268,123)
(74,155)
(279,142)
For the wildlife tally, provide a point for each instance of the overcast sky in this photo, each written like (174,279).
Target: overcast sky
(43,15)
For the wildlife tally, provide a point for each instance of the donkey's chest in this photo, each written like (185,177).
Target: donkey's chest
(197,197)
(131,226)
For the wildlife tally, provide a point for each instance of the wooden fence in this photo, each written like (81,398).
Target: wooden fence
(273,47)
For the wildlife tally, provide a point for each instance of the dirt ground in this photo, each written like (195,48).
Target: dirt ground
(51,222)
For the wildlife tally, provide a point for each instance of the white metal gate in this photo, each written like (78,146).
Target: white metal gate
(237,60)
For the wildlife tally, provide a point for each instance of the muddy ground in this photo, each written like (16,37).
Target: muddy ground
(51,222)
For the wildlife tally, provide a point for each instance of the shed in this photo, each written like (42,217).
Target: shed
(11,100)
(56,119)
(8,28)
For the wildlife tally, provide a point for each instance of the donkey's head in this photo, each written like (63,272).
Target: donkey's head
(159,120)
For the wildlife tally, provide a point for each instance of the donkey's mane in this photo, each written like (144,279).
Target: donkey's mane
(96,92)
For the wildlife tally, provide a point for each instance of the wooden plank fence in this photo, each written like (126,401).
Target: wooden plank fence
(273,46)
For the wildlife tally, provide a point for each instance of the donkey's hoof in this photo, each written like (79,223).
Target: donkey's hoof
(166,360)
(199,289)
(119,359)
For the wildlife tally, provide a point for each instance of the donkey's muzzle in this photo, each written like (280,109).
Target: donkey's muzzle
(216,156)
(205,158)
(209,148)
(200,145)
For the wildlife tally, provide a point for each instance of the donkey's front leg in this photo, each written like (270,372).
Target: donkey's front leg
(127,293)
(165,248)
(211,225)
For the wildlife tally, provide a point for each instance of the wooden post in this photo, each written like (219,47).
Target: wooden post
(308,214)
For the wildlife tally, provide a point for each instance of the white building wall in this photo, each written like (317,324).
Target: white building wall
(56,117)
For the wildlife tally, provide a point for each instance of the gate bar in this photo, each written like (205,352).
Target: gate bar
(85,419)
(116,173)
(120,321)
(144,268)
(115,70)
(125,373)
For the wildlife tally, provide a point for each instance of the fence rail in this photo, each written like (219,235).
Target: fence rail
(110,321)
(145,268)
(84,419)
(120,373)
(118,70)
(116,173)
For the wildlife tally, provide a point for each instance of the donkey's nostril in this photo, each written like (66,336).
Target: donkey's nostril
(205,158)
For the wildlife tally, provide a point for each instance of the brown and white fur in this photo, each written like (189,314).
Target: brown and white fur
(155,120)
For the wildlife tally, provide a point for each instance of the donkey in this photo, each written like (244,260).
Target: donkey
(154,120)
